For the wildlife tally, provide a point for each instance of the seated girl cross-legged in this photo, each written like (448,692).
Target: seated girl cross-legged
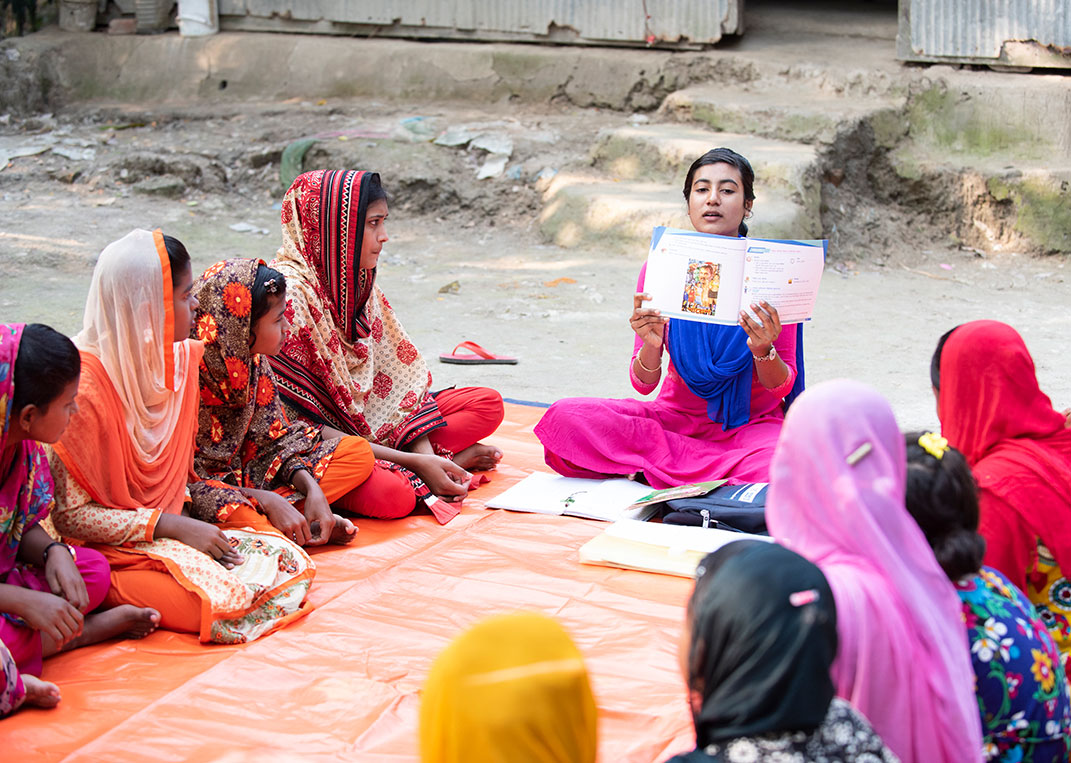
(349,365)
(295,472)
(721,405)
(122,468)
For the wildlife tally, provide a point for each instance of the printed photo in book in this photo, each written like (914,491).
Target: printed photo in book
(702,277)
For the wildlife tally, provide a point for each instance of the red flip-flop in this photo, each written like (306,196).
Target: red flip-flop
(479,356)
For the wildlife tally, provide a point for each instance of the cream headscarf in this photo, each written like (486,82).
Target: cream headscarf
(512,688)
(130,444)
(129,326)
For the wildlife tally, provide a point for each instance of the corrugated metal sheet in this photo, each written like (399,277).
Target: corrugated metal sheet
(1026,32)
(639,22)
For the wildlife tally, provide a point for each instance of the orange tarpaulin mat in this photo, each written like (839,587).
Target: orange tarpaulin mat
(344,682)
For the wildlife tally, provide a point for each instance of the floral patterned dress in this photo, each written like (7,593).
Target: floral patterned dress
(12,692)
(1020,682)
(1050,593)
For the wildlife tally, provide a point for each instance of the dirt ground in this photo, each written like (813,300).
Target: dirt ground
(198,172)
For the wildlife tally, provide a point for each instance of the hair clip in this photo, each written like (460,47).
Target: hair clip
(934,444)
(802,598)
(271,286)
(858,454)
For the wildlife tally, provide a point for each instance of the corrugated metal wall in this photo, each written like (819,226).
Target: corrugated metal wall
(699,22)
(1027,32)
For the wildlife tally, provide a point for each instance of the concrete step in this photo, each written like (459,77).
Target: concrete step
(586,209)
(663,152)
(801,114)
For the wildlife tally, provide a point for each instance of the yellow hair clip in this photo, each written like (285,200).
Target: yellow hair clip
(934,444)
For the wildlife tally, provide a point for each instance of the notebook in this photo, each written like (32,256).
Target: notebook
(653,547)
(607,500)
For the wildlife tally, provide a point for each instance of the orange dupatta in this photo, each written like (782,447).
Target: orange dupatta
(131,443)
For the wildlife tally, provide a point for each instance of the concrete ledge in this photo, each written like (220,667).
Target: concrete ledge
(264,66)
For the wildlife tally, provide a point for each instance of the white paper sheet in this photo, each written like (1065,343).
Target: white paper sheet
(606,500)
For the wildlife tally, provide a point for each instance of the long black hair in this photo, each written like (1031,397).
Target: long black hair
(943,498)
(47,362)
(724,156)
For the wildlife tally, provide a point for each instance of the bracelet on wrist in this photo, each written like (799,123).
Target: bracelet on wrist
(771,355)
(655,370)
(44,554)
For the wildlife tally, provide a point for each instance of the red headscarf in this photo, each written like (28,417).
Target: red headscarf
(1018,445)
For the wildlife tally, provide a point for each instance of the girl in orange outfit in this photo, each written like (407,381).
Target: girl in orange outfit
(122,467)
(292,473)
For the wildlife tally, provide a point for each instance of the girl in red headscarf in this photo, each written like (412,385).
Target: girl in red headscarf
(1019,448)
(350,367)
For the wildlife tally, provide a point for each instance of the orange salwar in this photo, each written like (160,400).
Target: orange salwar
(146,582)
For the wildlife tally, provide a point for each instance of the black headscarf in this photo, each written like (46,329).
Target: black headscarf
(764,635)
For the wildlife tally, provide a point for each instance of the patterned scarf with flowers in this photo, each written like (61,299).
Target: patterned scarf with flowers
(243,436)
(26,490)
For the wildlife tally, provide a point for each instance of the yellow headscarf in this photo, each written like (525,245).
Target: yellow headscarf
(511,689)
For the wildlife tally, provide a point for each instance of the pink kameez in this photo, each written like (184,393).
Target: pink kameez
(670,439)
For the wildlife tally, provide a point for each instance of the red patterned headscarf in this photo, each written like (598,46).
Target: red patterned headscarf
(348,363)
(329,207)
(1019,448)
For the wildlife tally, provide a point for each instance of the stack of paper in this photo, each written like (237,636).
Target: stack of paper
(606,500)
(651,547)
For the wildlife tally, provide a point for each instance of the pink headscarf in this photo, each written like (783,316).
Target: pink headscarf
(903,659)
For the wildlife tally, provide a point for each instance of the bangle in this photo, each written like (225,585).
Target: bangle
(656,370)
(44,554)
(772,354)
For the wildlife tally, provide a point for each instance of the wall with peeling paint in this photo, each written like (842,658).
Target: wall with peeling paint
(663,23)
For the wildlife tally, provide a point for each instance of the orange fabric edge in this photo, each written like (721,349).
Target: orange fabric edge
(169,310)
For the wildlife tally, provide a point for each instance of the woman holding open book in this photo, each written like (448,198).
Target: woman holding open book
(719,412)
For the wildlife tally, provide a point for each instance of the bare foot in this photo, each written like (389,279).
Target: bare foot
(40,693)
(126,620)
(478,458)
(345,531)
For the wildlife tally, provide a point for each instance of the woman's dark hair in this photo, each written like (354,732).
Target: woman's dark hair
(375,189)
(47,362)
(943,499)
(935,361)
(177,256)
(267,285)
(730,157)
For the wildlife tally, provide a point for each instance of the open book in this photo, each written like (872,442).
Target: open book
(608,500)
(652,547)
(701,277)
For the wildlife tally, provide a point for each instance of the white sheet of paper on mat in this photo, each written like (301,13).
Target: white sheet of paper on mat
(606,500)
(651,547)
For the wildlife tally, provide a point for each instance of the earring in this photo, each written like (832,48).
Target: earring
(748,214)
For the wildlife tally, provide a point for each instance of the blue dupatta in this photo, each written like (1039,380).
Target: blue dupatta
(715,362)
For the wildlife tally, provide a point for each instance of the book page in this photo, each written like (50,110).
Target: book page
(784,273)
(542,493)
(651,547)
(695,276)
